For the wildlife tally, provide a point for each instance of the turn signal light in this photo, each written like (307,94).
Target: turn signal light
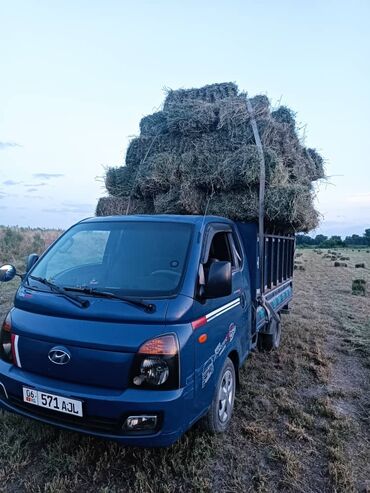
(7,324)
(164,345)
(6,352)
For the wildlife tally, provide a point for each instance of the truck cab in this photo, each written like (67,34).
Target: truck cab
(133,328)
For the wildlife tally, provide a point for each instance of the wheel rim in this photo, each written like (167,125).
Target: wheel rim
(225,396)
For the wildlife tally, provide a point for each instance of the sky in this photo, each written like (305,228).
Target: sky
(77,76)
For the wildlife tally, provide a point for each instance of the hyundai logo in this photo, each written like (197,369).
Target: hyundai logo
(59,355)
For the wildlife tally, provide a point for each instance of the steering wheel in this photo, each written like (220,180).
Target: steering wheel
(165,272)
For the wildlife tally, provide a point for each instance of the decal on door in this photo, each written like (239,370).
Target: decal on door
(209,365)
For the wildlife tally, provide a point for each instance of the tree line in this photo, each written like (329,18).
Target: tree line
(334,241)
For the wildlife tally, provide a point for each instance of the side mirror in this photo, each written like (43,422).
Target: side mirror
(7,272)
(219,280)
(31,260)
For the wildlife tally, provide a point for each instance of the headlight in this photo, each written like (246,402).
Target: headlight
(6,340)
(154,371)
(157,364)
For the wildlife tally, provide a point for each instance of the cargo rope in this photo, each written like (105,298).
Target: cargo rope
(269,310)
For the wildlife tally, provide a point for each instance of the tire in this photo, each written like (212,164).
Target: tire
(269,342)
(219,414)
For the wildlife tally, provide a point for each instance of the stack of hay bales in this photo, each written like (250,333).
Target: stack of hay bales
(200,150)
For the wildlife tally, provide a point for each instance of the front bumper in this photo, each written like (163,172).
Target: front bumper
(105,410)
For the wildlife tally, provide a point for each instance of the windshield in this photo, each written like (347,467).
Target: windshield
(144,259)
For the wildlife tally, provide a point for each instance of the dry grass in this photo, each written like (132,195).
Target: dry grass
(301,420)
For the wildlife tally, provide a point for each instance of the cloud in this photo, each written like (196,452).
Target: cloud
(47,176)
(4,145)
(32,189)
(72,208)
(42,184)
(10,183)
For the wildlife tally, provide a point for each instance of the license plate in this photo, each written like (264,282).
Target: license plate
(52,401)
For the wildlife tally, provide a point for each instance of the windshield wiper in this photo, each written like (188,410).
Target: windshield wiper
(58,289)
(148,307)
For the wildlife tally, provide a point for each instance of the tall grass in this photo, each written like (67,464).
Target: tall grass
(16,242)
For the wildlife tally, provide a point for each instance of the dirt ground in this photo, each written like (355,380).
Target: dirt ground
(301,422)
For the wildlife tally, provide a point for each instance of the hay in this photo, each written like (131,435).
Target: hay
(359,287)
(154,124)
(208,94)
(191,117)
(200,150)
(117,206)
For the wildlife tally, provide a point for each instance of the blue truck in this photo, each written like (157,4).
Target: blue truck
(134,328)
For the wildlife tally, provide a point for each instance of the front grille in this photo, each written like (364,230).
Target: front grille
(88,423)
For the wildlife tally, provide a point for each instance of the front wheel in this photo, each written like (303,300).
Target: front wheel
(268,342)
(219,414)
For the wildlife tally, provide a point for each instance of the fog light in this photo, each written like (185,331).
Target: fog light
(140,423)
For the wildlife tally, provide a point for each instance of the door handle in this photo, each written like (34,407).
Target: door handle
(242,300)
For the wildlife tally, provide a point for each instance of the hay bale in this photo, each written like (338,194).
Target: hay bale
(191,117)
(360,266)
(117,206)
(155,124)
(200,150)
(233,112)
(340,264)
(167,202)
(315,164)
(359,287)
(208,94)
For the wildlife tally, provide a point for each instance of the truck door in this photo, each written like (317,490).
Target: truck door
(224,323)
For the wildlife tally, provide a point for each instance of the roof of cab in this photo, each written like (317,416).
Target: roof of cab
(160,218)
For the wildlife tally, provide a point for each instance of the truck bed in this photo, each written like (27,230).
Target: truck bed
(278,268)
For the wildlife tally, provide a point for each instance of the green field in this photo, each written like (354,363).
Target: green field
(301,420)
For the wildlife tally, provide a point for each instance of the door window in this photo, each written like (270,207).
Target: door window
(220,248)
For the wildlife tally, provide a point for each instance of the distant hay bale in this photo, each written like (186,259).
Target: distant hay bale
(360,266)
(340,264)
(200,152)
(359,287)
